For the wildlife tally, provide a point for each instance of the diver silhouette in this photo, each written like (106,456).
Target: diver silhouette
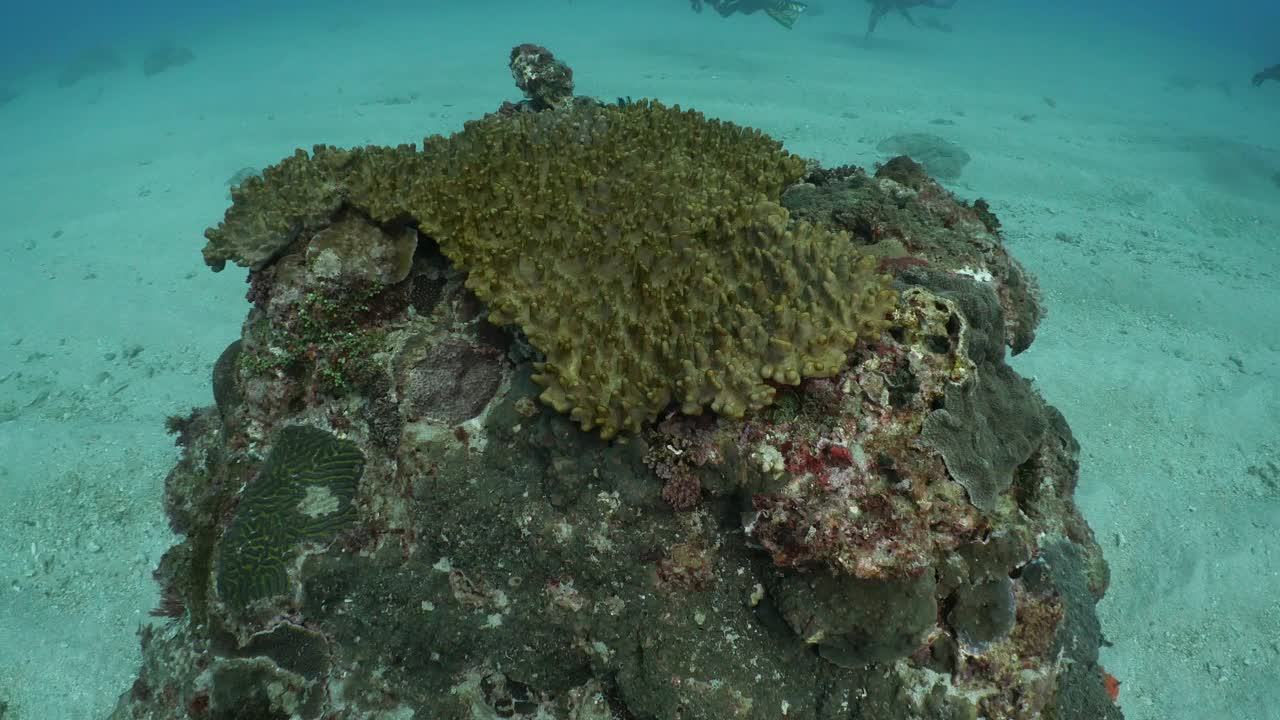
(880,8)
(783,12)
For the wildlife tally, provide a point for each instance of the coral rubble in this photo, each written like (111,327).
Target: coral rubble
(940,157)
(396,509)
(546,82)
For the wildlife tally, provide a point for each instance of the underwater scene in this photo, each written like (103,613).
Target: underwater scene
(654,360)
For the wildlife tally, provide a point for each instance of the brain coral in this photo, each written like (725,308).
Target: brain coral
(302,494)
(641,249)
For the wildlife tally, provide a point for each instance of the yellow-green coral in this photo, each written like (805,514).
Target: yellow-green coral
(642,251)
(640,248)
(299,193)
(303,493)
(303,194)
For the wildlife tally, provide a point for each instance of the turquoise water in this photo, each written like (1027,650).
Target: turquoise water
(1135,168)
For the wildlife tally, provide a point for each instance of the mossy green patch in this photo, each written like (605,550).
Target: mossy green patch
(325,332)
(303,493)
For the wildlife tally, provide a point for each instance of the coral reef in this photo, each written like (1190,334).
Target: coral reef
(380,520)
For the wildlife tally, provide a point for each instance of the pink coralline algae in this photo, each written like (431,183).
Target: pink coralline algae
(859,492)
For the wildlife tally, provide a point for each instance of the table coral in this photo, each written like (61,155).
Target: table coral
(658,226)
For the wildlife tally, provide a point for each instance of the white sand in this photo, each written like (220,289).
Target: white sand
(1147,211)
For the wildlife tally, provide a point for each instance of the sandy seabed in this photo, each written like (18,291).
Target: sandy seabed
(1141,189)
